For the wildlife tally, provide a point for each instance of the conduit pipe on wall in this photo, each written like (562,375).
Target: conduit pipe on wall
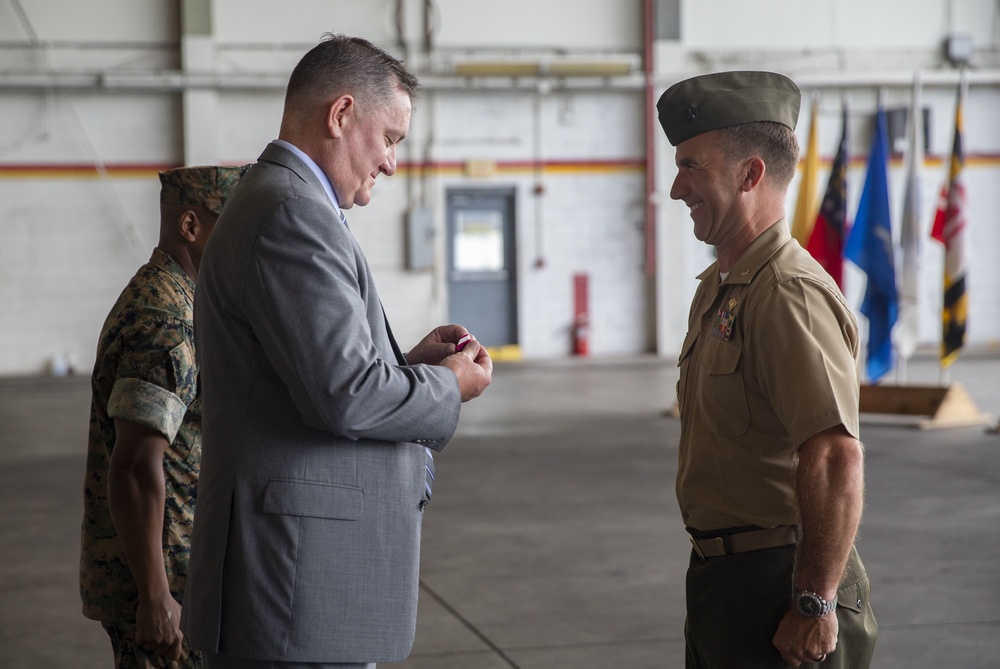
(169,81)
(174,81)
(532,67)
(648,66)
(539,174)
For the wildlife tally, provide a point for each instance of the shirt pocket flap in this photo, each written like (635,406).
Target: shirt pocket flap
(725,358)
(313,499)
(690,339)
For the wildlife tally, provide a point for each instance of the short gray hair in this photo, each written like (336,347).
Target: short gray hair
(774,143)
(340,65)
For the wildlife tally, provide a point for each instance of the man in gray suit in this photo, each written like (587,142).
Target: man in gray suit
(315,468)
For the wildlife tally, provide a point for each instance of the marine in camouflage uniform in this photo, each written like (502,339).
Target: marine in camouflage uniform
(146,374)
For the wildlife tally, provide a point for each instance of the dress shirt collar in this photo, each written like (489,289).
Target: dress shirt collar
(317,170)
(755,257)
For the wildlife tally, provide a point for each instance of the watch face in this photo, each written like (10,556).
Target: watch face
(810,604)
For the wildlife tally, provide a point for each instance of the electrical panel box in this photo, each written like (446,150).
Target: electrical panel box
(958,49)
(897,119)
(419,239)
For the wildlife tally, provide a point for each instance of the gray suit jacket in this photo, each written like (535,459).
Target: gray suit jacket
(307,527)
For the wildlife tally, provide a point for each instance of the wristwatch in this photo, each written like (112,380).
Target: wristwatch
(811,605)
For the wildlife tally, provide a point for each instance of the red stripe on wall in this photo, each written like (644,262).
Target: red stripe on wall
(147,170)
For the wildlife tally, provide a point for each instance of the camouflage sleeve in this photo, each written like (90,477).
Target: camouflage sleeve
(147,404)
(156,379)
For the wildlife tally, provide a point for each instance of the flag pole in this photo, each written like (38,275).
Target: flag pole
(948,405)
(963,84)
(950,228)
(945,377)
(908,330)
(869,246)
(963,87)
(900,374)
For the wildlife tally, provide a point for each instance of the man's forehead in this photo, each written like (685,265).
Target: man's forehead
(396,118)
(698,147)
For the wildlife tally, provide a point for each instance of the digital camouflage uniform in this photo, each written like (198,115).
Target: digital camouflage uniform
(146,372)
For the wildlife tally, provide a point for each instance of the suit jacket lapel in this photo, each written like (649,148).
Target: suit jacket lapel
(278,154)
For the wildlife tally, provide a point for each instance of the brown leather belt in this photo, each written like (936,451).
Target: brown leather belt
(745,542)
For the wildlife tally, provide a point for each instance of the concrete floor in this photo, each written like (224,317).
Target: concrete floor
(553,540)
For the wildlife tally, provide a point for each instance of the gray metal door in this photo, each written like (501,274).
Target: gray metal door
(482,284)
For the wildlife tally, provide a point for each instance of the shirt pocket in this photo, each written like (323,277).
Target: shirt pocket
(184,370)
(690,339)
(854,596)
(723,392)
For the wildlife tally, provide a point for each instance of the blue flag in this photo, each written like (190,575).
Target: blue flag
(869,246)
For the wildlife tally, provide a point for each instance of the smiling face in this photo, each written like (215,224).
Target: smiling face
(369,134)
(710,185)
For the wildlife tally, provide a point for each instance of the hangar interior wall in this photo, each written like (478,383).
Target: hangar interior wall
(99,96)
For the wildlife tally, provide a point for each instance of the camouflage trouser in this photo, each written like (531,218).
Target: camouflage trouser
(129,655)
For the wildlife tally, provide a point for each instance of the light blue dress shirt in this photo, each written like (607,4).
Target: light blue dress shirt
(317,170)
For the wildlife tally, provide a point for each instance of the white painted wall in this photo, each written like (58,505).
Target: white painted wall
(71,237)
(853,49)
(864,25)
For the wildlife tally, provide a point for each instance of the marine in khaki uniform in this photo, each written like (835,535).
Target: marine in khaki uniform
(770,478)
(144,448)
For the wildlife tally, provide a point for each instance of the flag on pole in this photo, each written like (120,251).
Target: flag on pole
(950,229)
(805,204)
(826,243)
(869,246)
(908,332)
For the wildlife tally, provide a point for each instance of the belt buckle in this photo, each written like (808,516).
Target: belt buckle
(697,548)
(719,542)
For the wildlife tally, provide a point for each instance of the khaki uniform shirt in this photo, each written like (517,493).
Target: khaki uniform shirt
(146,373)
(770,358)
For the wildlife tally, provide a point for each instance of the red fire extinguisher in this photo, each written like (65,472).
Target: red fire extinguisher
(581,335)
(581,319)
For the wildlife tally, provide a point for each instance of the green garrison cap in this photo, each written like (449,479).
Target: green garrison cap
(713,101)
(208,186)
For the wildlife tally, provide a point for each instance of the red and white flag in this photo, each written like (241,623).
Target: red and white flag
(951,229)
